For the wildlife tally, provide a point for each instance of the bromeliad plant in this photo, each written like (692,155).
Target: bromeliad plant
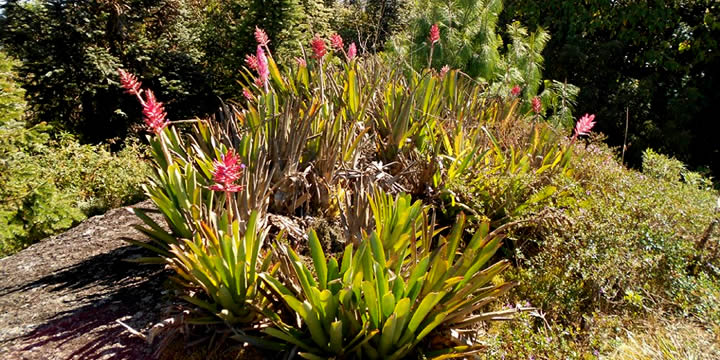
(313,140)
(385,296)
(225,264)
(216,230)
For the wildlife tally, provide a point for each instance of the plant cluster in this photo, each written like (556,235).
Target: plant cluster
(353,139)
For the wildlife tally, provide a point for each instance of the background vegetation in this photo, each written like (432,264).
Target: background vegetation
(49,183)
(657,59)
(604,257)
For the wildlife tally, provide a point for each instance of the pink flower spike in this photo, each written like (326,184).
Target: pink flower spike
(444,70)
(154,111)
(318,46)
(129,82)
(536,105)
(226,171)
(515,90)
(261,37)
(352,51)
(434,34)
(301,61)
(336,41)
(251,61)
(262,66)
(247,94)
(584,125)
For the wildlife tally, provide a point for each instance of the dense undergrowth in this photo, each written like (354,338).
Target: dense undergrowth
(49,183)
(421,175)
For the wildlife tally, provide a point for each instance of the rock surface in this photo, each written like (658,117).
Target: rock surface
(64,297)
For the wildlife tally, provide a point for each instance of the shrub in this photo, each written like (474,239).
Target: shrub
(46,186)
(627,244)
(673,170)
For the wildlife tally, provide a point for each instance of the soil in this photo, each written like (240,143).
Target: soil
(66,296)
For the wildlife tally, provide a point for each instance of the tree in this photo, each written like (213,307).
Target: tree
(659,60)
(471,40)
(70,51)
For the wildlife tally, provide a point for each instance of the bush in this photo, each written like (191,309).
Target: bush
(46,186)
(627,243)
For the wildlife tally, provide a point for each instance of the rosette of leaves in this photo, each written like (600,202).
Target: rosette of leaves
(225,265)
(383,298)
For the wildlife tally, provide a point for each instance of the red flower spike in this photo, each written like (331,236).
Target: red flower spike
(536,105)
(336,41)
(318,46)
(129,82)
(251,61)
(262,66)
(584,125)
(261,37)
(154,111)
(226,171)
(444,70)
(352,51)
(515,90)
(247,94)
(434,34)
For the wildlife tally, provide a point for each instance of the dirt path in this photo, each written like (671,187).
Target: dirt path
(60,298)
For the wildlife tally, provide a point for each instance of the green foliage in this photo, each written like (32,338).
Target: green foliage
(471,41)
(670,169)
(46,186)
(626,243)
(522,339)
(71,50)
(225,266)
(370,23)
(560,101)
(12,102)
(468,39)
(514,177)
(384,297)
(659,60)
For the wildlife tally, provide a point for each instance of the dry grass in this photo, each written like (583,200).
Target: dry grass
(669,341)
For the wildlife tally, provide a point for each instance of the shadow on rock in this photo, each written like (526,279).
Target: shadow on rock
(100,290)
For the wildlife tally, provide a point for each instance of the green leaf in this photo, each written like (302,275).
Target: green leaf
(318,257)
